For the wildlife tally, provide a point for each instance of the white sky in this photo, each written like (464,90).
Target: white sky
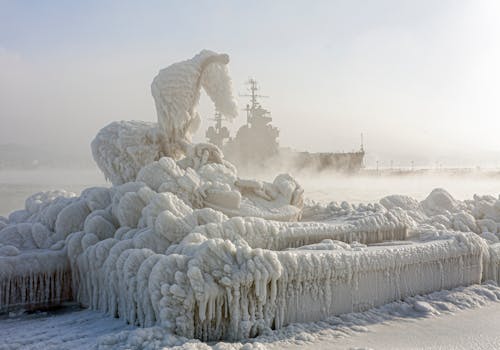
(420,79)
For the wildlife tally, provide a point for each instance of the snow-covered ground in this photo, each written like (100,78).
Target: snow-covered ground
(472,329)
(464,318)
(67,328)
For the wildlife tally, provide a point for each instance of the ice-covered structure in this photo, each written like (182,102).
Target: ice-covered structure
(121,149)
(181,242)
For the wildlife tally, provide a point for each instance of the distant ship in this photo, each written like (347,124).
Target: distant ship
(256,144)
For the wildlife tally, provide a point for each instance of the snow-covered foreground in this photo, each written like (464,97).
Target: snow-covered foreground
(374,329)
(475,328)
(472,329)
(386,327)
(67,328)
(463,318)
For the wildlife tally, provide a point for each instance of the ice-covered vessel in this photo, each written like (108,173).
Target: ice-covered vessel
(256,145)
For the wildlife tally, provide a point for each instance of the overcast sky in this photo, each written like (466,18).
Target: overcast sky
(420,79)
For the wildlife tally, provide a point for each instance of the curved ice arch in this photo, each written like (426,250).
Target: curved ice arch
(121,149)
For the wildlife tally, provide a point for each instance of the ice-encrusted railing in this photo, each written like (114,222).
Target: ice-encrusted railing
(191,289)
(230,292)
(34,267)
(44,283)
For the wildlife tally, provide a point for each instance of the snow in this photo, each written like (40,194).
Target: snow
(435,329)
(184,247)
(462,318)
(64,329)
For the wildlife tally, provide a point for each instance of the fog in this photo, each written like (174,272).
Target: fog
(370,189)
(366,187)
(419,79)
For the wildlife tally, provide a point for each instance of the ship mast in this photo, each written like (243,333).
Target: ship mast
(254,109)
(218,121)
(217,134)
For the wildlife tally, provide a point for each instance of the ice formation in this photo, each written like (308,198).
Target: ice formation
(121,149)
(182,243)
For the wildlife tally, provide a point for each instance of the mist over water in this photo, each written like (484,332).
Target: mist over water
(17,185)
(420,79)
(369,189)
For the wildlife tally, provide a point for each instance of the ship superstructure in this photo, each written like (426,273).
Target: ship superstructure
(217,133)
(256,144)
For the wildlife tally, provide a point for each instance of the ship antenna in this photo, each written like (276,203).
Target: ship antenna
(218,120)
(362,146)
(254,104)
(253,93)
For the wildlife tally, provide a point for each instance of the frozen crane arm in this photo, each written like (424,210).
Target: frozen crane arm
(121,149)
(176,91)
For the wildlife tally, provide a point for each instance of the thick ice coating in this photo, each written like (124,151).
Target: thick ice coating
(121,149)
(180,242)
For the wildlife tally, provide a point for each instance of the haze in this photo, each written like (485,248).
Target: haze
(420,79)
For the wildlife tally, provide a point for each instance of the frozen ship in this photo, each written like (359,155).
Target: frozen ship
(256,144)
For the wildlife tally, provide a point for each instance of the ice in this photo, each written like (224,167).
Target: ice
(438,202)
(236,292)
(32,279)
(472,310)
(182,244)
(122,148)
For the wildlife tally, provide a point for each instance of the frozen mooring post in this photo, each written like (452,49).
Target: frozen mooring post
(182,242)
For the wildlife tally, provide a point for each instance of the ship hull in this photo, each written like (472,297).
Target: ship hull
(342,162)
(293,161)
